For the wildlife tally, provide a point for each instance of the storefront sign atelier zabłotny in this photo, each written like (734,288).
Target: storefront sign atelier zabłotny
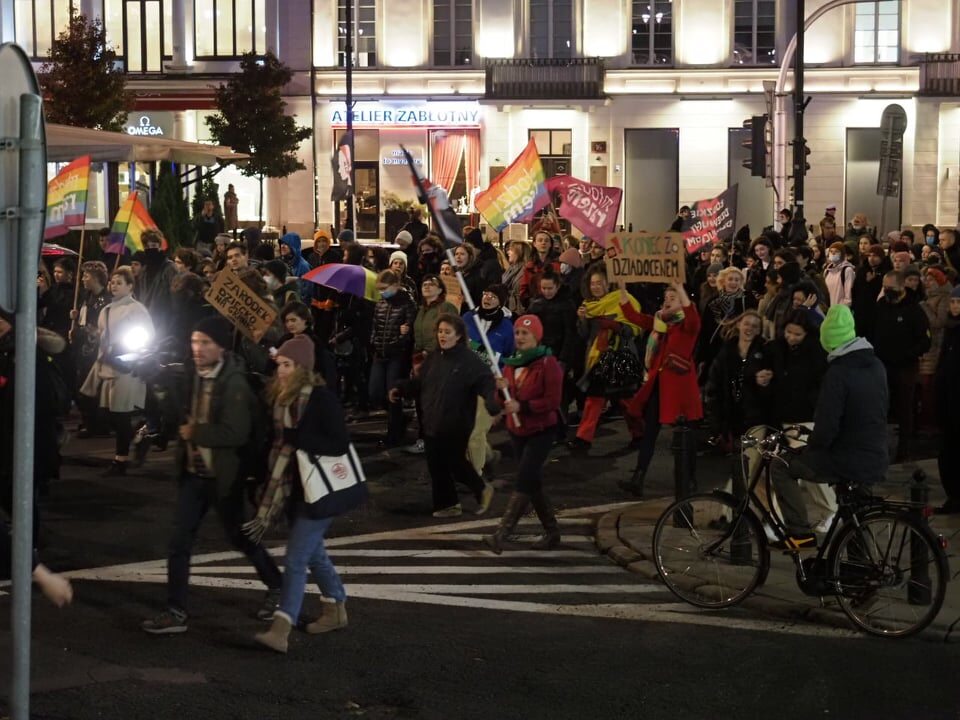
(385,114)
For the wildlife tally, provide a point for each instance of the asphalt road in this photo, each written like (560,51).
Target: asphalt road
(438,627)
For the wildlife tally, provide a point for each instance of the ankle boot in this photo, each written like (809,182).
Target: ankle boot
(634,485)
(334,617)
(276,637)
(515,506)
(551,536)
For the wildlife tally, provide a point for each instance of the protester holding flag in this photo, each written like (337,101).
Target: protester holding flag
(543,255)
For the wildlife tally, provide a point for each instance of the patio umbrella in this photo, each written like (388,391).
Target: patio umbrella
(351,279)
(52,250)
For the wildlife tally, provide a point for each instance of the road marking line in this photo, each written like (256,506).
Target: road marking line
(480,554)
(436,570)
(356,588)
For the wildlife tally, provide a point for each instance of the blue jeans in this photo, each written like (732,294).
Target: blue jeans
(305,549)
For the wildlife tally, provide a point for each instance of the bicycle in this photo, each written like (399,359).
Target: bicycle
(878,558)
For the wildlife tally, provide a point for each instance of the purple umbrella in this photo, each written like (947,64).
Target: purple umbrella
(351,279)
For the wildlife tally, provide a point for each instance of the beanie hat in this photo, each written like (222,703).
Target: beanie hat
(398,255)
(838,328)
(345,236)
(838,246)
(899,245)
(475,238)
(531,323)
(300,349)
(277,268)
(955,293)
(404,239)
(500,291)
(572,258)
(938,276)
(218,329)
(714,269)
(903,257)
(321,234)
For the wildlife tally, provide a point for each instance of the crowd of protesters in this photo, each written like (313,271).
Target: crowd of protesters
(550,347)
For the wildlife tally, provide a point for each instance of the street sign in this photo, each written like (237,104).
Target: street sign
(893,124)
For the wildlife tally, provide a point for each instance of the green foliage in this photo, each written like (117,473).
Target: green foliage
(252,118)
(209,190)
(81,84)
(169,208)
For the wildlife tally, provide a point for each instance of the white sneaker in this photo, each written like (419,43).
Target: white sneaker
(823,526)
(452,511)
(416,449)
(486,497)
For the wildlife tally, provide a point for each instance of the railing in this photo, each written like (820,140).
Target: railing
(544,79)
(940,74)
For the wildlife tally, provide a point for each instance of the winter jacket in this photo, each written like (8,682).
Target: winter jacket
(539,391)
(532,271)
(937,308)
(425,325)
(679,392)
(298,266)
(500,335)
(153,288)
(797,375)
(902,333)
(840,280)
(55,306)
(866,289)
(448,384)
(559,319)
(388,316)
(511,281)
(947,380)
(735,402)
(850,423)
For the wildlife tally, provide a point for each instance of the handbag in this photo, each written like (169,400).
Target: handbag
(332,484)
(677,364)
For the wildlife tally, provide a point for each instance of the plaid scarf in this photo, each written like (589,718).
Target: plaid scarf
(660,327)
(277,491)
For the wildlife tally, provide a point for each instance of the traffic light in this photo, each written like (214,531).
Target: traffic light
(757,144)
(800,154)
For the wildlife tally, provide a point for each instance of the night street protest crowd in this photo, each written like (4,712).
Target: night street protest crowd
(736,345)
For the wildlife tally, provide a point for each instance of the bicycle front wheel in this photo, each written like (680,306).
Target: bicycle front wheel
(709,553)
(890,574)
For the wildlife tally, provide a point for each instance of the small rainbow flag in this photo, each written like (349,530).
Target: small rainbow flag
(128,226)
(67,198)
(517,193)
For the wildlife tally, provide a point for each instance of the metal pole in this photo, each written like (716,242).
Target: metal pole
(799,161)
(348,47)
(33,188)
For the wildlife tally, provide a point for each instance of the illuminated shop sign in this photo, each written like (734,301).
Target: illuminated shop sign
(396,158)
(149,125)
(390,114)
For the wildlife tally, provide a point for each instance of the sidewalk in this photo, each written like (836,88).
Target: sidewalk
(625,535)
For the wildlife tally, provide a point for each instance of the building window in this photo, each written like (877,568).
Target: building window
(140,31)
(364,33)
(877,32)
(652,38)
(229,28)
(38,22)
(551,29)
(555,148)
(755,32)
(452,32)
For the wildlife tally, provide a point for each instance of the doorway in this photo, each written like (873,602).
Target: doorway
(862,169)
(651,178)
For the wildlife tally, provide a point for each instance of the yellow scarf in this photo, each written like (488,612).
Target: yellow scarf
(609,307)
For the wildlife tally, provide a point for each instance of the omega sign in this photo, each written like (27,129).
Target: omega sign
(144,127)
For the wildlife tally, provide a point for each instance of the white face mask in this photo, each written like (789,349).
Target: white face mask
(565,269)
(272,281)
(833,257)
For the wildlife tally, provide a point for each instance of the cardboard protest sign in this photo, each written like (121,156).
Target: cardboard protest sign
(238,303)
(454,293)
(711,221)
(646,257)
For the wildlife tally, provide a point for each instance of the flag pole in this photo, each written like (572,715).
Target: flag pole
(76,283)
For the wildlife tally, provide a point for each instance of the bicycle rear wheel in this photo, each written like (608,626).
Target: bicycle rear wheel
(890,574)
(708,553)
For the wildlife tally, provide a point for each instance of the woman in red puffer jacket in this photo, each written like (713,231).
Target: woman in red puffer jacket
(534,379)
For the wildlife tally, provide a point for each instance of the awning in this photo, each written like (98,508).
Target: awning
(66,143)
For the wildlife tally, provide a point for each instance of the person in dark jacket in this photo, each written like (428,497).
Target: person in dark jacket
(392,341)
(284,286)
(217,414)
(85,341)
(798,364)
(543,255)
(487,261)
(534,380)
(867,287)
(417,228)
(308,417)
(153,286)
(430,255)
(901,337)
(849,440)
(947,384)
(558,316)
(55,304)
(188,307)
(448,382)
(298,320)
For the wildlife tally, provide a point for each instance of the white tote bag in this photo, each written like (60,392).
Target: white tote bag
(325,476)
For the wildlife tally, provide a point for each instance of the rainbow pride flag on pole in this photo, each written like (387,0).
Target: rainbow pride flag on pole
(67,198)
(132,219)
(517,193)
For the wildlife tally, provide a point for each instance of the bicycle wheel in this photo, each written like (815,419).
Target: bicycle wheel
(890,574)
(708,553)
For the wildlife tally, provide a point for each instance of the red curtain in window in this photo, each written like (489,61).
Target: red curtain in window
(471,159)
(447,155)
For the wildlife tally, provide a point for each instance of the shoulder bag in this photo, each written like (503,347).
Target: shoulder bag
(332,485)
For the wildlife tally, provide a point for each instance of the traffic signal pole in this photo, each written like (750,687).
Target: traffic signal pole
(799,143)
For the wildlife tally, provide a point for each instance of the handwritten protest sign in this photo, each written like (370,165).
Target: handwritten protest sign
(454,293)
(711,221)
(232,298)
(592,209)
(646,257)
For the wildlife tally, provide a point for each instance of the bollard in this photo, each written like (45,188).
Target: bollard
(919,591)
(684,447)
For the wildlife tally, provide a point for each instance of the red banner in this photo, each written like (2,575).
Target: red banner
(711,221)
(592,209)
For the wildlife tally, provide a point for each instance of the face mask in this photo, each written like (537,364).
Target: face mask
(833,257)
(565,269)
(891,293)
(931,240)
(389,293)
(153,253)
(272,282)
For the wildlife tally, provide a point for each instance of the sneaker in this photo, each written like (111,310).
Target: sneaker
(416,449)
(452,511)
(169,622)
(270,602)
(797,541)
(486,497)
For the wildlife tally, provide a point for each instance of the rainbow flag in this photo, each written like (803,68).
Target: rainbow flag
(517,193)
(128,226)
(67,198)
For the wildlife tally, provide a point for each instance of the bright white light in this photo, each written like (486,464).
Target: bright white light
(136,338)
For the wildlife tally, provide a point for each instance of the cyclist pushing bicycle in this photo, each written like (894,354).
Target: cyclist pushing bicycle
(849,440)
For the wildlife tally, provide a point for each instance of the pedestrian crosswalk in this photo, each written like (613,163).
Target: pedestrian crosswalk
(445,565)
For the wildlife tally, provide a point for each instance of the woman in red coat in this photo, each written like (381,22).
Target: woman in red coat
(669,392)
(535,381)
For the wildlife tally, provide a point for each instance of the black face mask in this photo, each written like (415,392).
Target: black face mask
(153,253)
(891,294)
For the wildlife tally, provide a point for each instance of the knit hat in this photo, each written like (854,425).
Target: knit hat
(955,293)
(531,323)
(321,234)
(404,239)
(475,238)
(938,276)
(903,257)
(714,269)
(838,328)
(398,255)
(500,291)
(300,349)
(345,236)
(218,329)
(572,258)
(277,268)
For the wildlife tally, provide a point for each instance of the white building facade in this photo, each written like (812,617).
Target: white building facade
(647,95)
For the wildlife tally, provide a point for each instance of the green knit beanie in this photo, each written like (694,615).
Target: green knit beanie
(838,328)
